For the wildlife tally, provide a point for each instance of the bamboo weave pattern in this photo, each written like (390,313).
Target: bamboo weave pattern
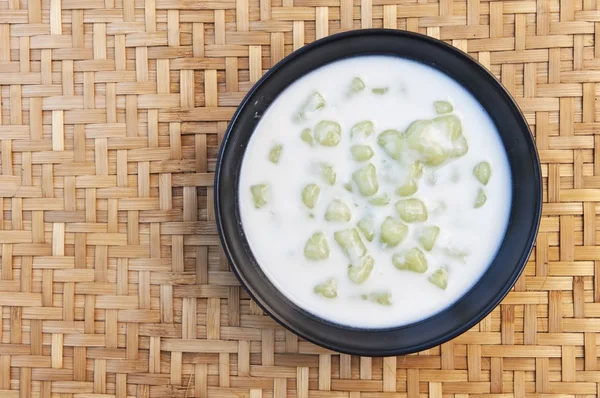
(112,282)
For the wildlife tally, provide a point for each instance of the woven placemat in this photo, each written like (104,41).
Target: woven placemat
(112,282)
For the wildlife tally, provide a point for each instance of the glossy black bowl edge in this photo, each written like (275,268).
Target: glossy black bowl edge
(449,335)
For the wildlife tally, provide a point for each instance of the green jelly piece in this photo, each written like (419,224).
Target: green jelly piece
(310,195)
(328,173)
(260,193)
(428,235)
(362,130)
(381,200)
(414,260)
(307,137)
(439,278)
(451,124)
(317,247)
(442,107)
(421,136)
(392,143)
(461,147)
(480,199)
(381,298)
(453,127)
(314,102)
(380,90)
(338,211)
(361,153)
(410,187)
(360,271)
(328,133)
(352,246)
(275,153)
(327,289)
(437,140)
(392,232)
(367,226)
(483,172)
(411,210)
(415,170)
(357,85)
(366,180)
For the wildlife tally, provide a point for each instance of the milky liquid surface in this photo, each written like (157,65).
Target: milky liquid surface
(277,232)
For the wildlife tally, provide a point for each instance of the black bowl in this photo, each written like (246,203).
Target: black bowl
(524,215)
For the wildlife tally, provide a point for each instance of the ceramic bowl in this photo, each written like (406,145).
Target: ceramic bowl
(524,214)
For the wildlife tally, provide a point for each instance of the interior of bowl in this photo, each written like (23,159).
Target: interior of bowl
(524,215)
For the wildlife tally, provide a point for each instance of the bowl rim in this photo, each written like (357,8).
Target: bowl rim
(468,324)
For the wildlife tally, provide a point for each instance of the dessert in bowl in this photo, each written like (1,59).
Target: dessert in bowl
(378,192)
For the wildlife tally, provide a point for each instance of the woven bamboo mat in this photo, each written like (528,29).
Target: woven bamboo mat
(112,283)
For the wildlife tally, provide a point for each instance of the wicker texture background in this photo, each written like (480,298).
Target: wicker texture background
(112,283)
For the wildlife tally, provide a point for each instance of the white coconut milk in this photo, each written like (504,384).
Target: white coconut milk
(277,232)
